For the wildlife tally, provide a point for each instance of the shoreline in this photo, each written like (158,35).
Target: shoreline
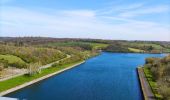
(38,79)
(145,87)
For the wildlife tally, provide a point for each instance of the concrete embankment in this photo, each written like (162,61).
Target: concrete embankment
(37,80)
(146,89)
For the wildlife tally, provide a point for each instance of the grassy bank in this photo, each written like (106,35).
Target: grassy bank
(152,83)
(11,83)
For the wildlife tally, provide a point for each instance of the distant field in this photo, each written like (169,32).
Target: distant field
(11,59)
(135,50)
(156,46)
(140,45)
(99,45)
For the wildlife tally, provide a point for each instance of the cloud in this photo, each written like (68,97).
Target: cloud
(145,11)
(121,8)
(17,21)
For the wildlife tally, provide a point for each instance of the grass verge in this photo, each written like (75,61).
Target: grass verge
(11,59)
(152,83)
(11,83)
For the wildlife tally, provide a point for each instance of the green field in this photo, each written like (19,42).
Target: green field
(135,50)
(11,59)
(8,84)
(156,46)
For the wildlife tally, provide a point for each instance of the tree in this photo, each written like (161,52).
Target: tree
(34,68)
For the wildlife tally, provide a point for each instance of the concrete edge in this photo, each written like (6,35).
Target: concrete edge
(146,90)
(37,80)
(141,85)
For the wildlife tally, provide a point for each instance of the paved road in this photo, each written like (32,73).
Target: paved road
(147,91)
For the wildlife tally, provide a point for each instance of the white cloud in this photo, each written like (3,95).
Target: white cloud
(120,8)
(145,11)
(77,23)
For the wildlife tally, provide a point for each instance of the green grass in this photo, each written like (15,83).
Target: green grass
(11,59)
(7,84)
(99,45)
(156,46)
(152,83)
(135,50)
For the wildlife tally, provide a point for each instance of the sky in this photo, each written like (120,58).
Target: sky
(99,19)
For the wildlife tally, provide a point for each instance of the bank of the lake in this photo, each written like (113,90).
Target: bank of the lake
(19,82)
(145,86)
(109,76)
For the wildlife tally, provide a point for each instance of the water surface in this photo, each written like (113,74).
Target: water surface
(109,76)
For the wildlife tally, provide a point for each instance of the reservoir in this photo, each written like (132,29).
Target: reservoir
(109,76)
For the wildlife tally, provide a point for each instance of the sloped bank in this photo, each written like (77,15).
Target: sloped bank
(39,79)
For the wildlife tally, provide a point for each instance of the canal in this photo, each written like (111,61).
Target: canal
(109,76)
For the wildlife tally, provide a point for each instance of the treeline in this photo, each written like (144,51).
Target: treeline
(143,47)
(117,47)
(160,70)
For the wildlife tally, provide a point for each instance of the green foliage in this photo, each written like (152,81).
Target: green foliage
(72,59)
(152,82)
(117,47)
(33,54)
(83,45)
(11,60)
(158,73)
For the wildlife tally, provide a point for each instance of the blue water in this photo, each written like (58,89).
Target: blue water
(109,76)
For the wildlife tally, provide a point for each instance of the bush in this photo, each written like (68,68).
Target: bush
(72,59)
(149,60)
(18,65)
(1,67)
(165,91)
(160,71)
(33,54)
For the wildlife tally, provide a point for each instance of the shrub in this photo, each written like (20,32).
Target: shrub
(149,60)
(165,91)
(1,67)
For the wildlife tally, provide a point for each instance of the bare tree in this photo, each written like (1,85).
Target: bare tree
(34,68)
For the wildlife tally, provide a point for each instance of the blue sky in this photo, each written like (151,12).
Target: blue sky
(103,19)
